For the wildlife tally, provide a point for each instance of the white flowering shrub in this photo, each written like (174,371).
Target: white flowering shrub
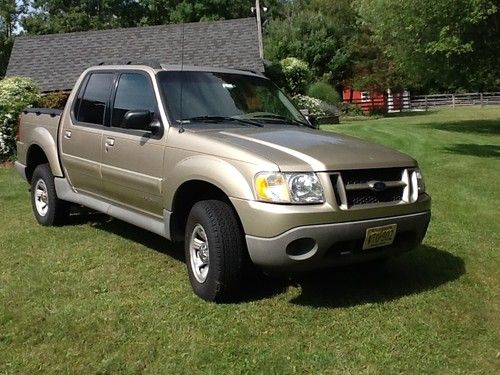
(315,106)
(296,73)
(16,93)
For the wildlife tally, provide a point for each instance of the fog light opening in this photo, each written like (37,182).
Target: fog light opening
(302,248)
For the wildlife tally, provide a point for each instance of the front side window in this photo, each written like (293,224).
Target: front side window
(92,105)
(134,93)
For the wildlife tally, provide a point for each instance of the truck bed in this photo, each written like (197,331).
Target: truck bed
(39,126)
(47,118)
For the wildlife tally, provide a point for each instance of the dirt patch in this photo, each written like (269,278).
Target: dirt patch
(6,164)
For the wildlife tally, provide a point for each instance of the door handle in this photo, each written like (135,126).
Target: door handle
(67,134)
(110,142)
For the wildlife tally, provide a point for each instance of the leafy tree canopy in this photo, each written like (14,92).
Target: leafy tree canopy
(55,16)
(320,32)
(439,44)
(9,13)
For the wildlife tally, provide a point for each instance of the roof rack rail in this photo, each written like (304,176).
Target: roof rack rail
(151,63)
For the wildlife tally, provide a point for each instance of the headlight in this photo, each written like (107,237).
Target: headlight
(420,181)
(288,187)
(417,184)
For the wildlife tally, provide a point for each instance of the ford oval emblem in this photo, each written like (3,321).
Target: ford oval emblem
(378,186)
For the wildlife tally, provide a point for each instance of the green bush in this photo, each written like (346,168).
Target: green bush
(275,73)
(324,91)
(350,109)
(296,74)
(56,100)
(378,111)
(315,106)
(16,93)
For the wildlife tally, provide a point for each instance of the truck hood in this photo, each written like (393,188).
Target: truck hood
(301,149)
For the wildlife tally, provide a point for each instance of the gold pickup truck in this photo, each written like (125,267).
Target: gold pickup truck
(221,160)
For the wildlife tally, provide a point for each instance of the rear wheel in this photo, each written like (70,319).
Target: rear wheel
(48,209)
(215,251)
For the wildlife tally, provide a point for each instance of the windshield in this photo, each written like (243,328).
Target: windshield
(213,95)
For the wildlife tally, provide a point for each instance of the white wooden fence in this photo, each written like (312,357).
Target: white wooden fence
(454,100)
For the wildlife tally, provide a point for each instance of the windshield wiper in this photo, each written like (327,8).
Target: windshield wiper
(279,117)
(218,119)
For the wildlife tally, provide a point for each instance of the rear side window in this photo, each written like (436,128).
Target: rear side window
(134,93)
(94,99)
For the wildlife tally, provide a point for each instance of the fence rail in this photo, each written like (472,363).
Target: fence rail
(454,100)
(400,102)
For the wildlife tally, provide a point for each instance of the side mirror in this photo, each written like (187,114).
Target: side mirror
(155,127)
(137,119)
(313,121)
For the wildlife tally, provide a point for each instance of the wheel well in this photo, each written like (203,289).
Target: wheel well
(184,199)
(34,158)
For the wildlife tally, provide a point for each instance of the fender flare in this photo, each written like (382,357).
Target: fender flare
(42,138)
(211,169)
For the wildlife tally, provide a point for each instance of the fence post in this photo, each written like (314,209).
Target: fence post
(453,100)
(426,102)
(481,99)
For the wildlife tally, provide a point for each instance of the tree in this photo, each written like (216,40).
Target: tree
(56,16)
(5,48)
(176,11)
(9,13)
(371,69)
(440,45)
(320,32)
(8,17)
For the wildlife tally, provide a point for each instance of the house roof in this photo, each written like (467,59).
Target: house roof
(55,61)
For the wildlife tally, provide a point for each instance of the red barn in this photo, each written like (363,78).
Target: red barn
(367,101)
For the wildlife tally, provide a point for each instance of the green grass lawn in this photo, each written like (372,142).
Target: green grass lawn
(102,296)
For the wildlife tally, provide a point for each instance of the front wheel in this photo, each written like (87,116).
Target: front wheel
(48,209)
(214,249)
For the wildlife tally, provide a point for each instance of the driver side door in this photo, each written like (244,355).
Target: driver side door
(132,159)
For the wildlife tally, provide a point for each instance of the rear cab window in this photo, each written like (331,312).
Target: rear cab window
(91,103)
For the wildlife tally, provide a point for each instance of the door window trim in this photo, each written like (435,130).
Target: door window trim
(82,89)
(156,116)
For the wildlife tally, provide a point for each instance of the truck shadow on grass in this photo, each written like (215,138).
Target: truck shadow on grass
(122,229)
(423,269)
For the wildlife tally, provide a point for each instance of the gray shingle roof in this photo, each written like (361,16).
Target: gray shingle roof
(55,61)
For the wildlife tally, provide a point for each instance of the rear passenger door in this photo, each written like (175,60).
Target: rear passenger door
(132,161)
(81,139)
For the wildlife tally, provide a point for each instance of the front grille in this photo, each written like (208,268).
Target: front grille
(361,187)
(368,196)
(361,176)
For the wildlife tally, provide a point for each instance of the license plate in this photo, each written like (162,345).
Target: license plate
(379,236)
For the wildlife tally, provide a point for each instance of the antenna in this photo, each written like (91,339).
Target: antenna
(181,129)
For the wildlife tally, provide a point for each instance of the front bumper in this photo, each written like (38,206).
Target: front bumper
(315,246)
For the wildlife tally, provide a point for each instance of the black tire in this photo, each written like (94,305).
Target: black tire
(225,247)
(56,211)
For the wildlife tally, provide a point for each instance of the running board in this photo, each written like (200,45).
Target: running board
(65,192)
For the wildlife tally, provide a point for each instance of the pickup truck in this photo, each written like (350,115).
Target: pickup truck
(222,160)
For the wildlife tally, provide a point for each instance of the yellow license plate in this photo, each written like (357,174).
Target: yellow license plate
(379,236)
